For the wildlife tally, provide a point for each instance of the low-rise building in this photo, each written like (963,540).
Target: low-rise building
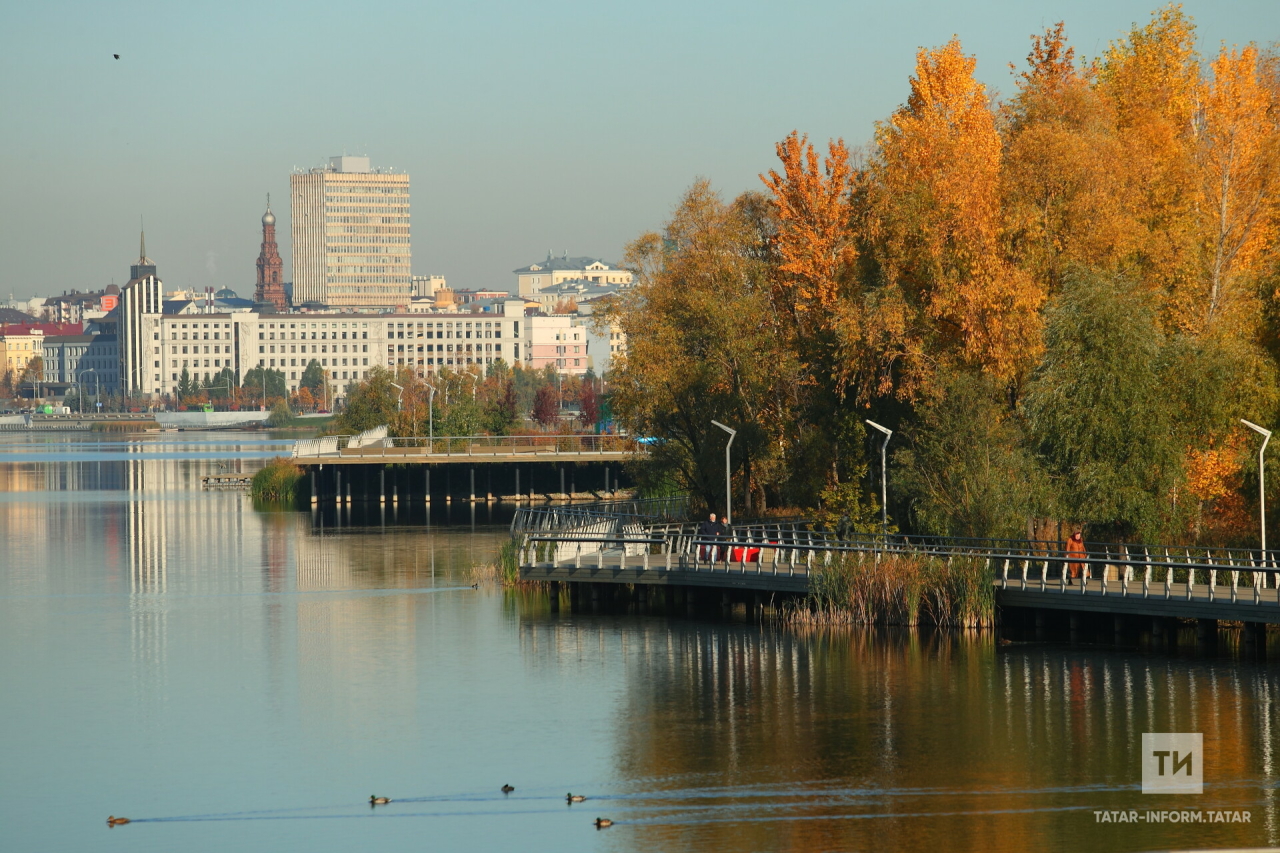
(90,360)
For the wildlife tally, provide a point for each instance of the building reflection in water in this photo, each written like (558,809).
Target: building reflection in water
(742,737)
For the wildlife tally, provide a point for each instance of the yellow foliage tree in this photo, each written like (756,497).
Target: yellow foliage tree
(935,211)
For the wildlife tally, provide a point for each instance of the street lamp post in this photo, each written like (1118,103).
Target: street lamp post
(728,490)
(1262,483)
(95,388)
(431,417)
(884,481)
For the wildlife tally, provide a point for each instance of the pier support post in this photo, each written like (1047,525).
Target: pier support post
(382,486)
(1117,627)
(562,479)
(337,491)
(1040,619)
(517,485)
(473,485)
(427,485)
(1206,633)
(553,590)
(1074,626)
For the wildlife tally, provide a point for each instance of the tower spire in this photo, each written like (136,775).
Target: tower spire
(142,247)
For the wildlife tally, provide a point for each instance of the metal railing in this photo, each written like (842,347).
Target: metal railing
(643,511)
(1125,571)
(473,445)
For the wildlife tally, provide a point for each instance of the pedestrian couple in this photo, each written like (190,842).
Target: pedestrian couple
(711,529)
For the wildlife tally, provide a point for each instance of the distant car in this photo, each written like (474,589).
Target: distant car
(323,412)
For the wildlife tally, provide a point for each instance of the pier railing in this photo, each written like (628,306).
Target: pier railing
(479,446)
(1127,571)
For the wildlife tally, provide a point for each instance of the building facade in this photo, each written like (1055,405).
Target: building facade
(91,361)
(531,279)
(351,246)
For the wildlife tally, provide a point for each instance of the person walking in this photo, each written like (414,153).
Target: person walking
(1075,548)
(709,529)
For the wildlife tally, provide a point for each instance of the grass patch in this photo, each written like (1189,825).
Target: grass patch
(277,482)
(899,589)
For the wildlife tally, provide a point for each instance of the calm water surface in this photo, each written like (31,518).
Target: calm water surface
(234,679)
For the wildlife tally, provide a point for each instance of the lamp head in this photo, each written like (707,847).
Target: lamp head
(1256,428)
(884,430)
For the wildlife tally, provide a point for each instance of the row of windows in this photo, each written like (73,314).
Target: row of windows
(363,348)
(445,348)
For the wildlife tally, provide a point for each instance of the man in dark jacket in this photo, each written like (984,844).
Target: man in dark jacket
(709,529)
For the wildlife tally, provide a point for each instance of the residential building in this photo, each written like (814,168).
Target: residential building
(351,246)
(531,279)
(90,360)
(557,340)
(76,307)
(270,286)
(21,343)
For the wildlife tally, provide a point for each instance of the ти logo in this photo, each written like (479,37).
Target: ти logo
(1172,763)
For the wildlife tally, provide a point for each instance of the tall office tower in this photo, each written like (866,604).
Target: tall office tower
(139,338)
(351,236)
(270,286)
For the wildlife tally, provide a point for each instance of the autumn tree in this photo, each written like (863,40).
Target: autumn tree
(934,214)
(546,406)
(1065,179)
(1238,160)
(1151,80)
(703,345)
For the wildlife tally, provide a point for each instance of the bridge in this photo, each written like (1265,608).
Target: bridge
(1121,588)
(373,466)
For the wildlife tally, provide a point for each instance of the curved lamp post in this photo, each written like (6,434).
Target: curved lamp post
(1262,483)
(884,482)
(728,489)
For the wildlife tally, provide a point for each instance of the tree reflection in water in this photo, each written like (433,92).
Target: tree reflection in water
(737,737)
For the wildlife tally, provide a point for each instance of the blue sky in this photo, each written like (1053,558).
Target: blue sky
(524,127)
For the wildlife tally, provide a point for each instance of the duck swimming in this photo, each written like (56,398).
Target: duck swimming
(117,821)
(507,789)
(573,798)
(602,822)
(379,801)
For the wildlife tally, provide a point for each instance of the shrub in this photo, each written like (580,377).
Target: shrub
(277,482)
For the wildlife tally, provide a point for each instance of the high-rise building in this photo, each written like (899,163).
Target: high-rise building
(351,236)
(270,286)
(139,337)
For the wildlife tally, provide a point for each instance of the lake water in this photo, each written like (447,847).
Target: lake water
(233,679)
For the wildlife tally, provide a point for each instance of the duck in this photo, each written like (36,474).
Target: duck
(117,821)
(507,789)
(573,798)
(602,822)
(378,801)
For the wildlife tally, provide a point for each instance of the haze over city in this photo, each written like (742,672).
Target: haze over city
(524,128)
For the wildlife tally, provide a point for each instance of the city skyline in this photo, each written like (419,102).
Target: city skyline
(515,147)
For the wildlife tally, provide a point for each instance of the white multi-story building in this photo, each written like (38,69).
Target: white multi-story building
(351,236)
(533,278)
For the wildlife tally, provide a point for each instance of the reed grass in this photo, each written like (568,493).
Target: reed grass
(899,589)
(277,482)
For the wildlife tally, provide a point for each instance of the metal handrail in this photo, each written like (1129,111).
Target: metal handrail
(481,445)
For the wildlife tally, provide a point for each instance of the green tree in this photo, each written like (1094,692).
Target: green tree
(313,379)
(261,384)
(281,415)
(370,402)
(500,413)
(185,386)
(964,468)
(1100,412)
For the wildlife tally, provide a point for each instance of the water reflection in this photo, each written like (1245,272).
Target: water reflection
(188,654)
(738,737)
